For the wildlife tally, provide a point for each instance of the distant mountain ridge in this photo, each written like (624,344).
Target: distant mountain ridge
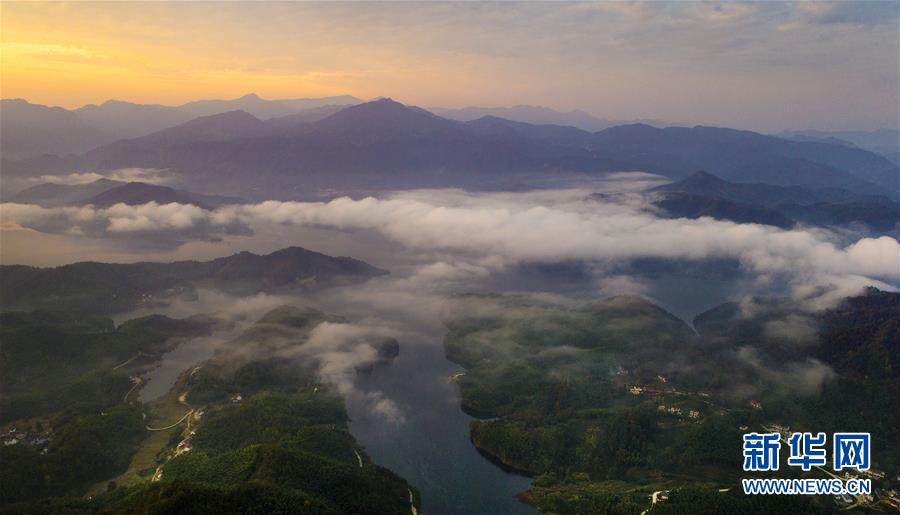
(129,120)
(137,193)
(58,195)
(384,136)
(105,193)
(30,130)
(265,109)
(384,139)
(766,195)
(703,194)
(885,142)
(539,115)
(114,288)
(387,145)
(746,156)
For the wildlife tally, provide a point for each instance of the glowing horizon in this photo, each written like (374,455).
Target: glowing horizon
(764,66)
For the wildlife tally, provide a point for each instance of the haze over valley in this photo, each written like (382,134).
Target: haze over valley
(564,284)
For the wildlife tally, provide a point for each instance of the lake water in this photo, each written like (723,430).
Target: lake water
(431,448)
(687,297)
(159,380)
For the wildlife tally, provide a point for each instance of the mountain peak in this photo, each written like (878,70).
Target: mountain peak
(137,193)
(698,182)
(382,104)
(489,118)
(236,114)
(381,115)
(216,127)
(234,122)
(490,122)
(703,176)
(250,96)
(634,127)
(113,102)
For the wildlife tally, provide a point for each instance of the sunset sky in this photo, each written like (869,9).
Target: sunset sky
(764,66)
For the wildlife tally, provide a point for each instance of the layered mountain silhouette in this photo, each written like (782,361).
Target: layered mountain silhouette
(764,195)
(885,142)
(745,156)
(265,109)
(539,115)
(385,144)
(110,288)
(137,193)
(703,194)
(30,130)
(129,120)
(57,195)
(392,145)
(105,193)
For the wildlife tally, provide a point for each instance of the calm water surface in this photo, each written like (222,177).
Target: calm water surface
(431,448)
(159,380)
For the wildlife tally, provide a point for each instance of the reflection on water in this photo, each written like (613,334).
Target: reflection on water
(431,449)
(687,297)
(159,380)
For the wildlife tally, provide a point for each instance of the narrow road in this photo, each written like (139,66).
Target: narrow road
(129,360)
(186,415)
(136,384)
(653,499)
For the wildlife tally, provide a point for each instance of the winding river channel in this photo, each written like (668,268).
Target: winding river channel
(428,444)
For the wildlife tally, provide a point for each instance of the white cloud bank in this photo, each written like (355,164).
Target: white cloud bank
(509,228)
(148,175)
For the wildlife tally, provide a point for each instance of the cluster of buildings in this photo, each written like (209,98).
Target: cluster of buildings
(185,445)
(638,390)
(15,437)
(847,500)
(892,497)
(674,410)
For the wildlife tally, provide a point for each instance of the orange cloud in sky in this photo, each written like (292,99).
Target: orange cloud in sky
(69,55)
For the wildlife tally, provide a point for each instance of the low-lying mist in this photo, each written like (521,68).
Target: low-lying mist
(463,234)
(567,245)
